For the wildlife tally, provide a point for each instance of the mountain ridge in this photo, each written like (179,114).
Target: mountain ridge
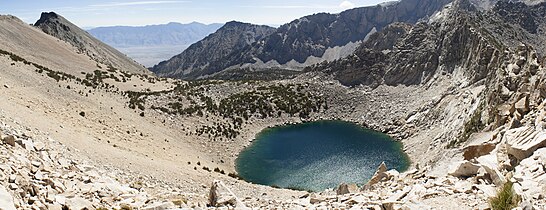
(310,36)
(231,38)
(55,25)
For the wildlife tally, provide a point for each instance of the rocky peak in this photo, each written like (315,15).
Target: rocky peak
(59,27)
(48,17)
(234,23)
(312,35)
(489,4)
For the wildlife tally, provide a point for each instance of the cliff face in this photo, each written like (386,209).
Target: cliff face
(312,35)
(57,26)
(309,36)
(460,37)
(208,54)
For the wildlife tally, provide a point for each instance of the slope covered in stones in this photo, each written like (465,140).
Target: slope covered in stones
(57,26)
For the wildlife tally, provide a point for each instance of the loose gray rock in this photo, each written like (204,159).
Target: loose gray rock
(9,140)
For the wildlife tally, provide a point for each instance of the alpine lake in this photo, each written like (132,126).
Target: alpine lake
(318,155)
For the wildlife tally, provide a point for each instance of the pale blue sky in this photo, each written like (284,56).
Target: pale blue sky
(92,13)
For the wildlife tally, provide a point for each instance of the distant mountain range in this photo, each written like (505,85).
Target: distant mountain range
(153,43)
(308,40)
(154,35)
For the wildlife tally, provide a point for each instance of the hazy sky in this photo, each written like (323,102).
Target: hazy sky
(92,13)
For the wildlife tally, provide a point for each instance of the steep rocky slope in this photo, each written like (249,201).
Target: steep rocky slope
(492,109)
(19,38)
(203,57)
(57,26)
(310,37)
(459,38)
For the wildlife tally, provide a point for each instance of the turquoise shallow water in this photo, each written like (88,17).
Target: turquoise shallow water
(318,155)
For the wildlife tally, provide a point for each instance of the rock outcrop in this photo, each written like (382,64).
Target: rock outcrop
(464,169)
(220,195)
(524,141)
(343,189)
(446,42)
(43,177)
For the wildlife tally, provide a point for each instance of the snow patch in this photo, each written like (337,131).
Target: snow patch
(330,54)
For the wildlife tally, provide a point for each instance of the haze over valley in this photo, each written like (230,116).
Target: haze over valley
(152,44)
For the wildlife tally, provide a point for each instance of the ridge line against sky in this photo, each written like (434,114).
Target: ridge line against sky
(95,13)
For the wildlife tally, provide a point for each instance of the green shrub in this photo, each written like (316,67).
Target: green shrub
(505,199)
(234,175)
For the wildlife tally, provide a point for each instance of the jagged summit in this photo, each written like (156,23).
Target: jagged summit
(57,26)
(48,16)
(234,23)
(34,45)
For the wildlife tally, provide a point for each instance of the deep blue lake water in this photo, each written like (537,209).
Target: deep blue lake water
(318,155)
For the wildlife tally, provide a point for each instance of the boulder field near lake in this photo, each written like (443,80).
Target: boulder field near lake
(461,87)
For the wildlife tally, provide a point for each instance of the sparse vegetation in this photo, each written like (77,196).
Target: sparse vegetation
(506,198)
(263,101)
(234,175)
(217,170)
